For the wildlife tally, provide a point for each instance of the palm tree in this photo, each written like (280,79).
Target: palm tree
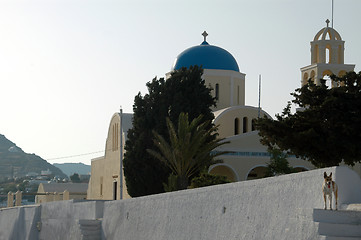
(189,149)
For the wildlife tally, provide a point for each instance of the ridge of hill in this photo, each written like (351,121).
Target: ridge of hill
(71,168)
(14,162)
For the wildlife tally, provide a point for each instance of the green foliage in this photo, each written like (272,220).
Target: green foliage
(278,164)
(189,149)
(75,178)
(184,91)
(172,183)
(328,129)
(206,179)
(10,187)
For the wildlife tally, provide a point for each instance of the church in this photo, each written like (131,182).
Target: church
(247,158)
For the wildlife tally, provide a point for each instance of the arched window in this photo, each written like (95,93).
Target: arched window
(236,126)
(328,54)
(217,91)
(245,124)
(253,124)
(115,139)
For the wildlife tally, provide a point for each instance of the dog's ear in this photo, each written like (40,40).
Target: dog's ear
(324,175)
(331,174)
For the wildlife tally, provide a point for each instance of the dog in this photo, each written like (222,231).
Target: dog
(329,187)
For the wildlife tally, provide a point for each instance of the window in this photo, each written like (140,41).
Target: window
(217,91)
(115,139)
(115,185)
(245,124)
(328,54)
(236,126)
(101,186)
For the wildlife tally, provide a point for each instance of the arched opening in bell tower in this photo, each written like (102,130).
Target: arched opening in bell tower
(305,79)
(326,76)
(328,54)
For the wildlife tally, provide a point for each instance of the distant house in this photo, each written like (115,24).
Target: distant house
(31,174)
(54,191)
(46,172)
(84,177)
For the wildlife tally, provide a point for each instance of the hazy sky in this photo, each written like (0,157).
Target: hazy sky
(66,66)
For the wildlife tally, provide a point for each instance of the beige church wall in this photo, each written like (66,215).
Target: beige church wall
(243,165)
(246,142)
(95,190)
(224,86)
(231,86)
(238,92)
(106,170)
(247,153)
(226,119)
(319,70)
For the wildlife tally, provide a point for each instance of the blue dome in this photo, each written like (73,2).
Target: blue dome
(210,57)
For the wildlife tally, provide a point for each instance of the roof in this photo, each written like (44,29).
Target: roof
(61,187)
(327,33)
(223,111)
(207,56)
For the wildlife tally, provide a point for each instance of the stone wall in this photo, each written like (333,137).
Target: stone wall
(271,208)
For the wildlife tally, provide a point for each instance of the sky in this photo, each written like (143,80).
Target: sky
(66,66)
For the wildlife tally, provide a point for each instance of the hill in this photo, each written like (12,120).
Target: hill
(15,162)
(71,168)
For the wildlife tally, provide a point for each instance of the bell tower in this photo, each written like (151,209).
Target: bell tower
(327,57)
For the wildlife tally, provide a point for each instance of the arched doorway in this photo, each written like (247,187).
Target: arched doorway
(257,173)
(224,170)
(300,169)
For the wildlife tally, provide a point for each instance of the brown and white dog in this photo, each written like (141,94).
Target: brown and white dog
(329,187)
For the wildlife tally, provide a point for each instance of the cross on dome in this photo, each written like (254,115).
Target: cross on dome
(205,34)
(327,22)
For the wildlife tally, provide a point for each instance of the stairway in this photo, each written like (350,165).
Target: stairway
(342,224)
(90,229)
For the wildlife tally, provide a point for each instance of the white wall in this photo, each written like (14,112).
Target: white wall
(271,208)
(19,222)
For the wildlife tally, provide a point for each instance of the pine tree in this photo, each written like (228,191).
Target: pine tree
(184,91)
(327,130)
